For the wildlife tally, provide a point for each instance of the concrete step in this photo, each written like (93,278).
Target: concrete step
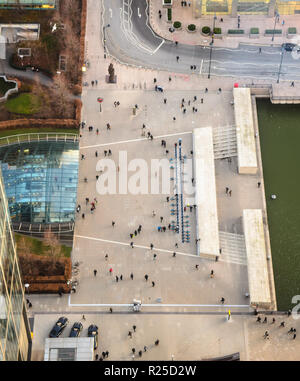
(233,248)
(224,142)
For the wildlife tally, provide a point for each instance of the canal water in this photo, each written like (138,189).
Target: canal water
(279,128)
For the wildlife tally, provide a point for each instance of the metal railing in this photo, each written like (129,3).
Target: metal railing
(37,137)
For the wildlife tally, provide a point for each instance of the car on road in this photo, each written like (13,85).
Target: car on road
(288,46)
(76,329)
(93,332)
(59,326)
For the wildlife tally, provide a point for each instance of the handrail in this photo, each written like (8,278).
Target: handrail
(38,136)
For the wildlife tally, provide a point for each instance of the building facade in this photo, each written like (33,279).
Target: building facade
(15,336)
(245,7)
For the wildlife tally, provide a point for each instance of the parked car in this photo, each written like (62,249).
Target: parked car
(288,46)
(93,332)
(76,329)
(60,325)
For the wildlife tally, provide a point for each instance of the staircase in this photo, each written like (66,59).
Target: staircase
(233,248)
(224,142)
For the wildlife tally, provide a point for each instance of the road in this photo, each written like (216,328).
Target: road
(131,41)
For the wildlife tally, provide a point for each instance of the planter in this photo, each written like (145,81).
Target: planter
(177,25)
(169,15)
(191,30)
(205,31)
(167,3)
(235,32)
(9,91)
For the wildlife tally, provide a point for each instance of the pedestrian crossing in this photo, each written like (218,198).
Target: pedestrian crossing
(233,248)
(225,144)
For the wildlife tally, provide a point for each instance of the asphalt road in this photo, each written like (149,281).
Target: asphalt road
(131,41)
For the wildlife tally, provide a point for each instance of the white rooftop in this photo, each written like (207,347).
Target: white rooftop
(69,349)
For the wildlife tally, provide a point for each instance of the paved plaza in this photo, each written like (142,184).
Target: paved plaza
(183,309)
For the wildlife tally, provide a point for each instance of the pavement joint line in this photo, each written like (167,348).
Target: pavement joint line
(136,140)
(137,246)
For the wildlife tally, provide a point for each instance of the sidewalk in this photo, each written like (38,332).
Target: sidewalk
(185,16)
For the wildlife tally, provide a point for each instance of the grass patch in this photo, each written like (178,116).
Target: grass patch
(37,247)
(292,30)
(254,31)
(25,104)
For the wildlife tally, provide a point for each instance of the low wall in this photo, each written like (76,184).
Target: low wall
(38,123)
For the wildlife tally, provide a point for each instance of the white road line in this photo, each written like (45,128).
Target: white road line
(159,46)
(137,246)
(136,140)
(111,12)
(201,67)
(139,14)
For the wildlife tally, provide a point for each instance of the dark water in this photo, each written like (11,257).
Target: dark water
(279,127)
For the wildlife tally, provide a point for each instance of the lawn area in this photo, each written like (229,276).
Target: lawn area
(37,247)
(25,104)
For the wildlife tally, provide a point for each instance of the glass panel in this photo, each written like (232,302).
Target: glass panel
(4,303)
(11,349)
(17,298)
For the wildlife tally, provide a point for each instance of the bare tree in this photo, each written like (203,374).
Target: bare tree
(54,247)
(111,72)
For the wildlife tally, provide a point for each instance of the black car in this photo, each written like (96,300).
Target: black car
(93,332)
(76,329)
(60,325)
(288,46)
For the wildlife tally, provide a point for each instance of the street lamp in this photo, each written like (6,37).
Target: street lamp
(276,20)
(104,39)
(27,287)
(211,45)
(281,59)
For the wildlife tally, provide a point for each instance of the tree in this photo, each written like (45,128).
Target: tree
(54,248)
(111,72)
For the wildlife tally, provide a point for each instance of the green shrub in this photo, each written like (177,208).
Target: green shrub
(217,31)
(177,24)
(206,30)
(236,31)
(192,27)
(254,31)
(275,31)
(169,14)
(292,30)
(167,2)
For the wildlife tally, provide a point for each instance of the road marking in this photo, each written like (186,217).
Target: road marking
(137,246)
(159,46)
(136,140)
(201,67)
(111,12)
(139,14)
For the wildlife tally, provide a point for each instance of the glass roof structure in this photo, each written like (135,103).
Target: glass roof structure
(29,4)
(40,180)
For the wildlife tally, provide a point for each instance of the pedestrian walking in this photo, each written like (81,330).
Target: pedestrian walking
(291,330)
(174,254)
(117,279)
(154,256)
(293,84)
(273,320)
(133,350)
(265,320)
(201,100)
(96,357)
(82,215)
(294,336)
(197,267)
(131,244)
(151,246)
(177,58)
(106,257)
(153,284)
(282,324)
(266,335)
(170,79)
(226,190)
(131,235)
(113,224)
(156,342)
(131,276)
(212,274)
(258,320)
(161,219)
(110,271)
(108,126)
(258,185)
(206,90)
(130,334)
(289,313)
(134,328)
(111,310)
(146,277)
(165,100)
(154,80)
(222,300)
(145,348)
(103,354)
(176,245)
(105,152)
(121,277)
(140,353)
(95,272)
(174,118)
(230,192)
(83,318)
(106,354)
(96,154)
(153,213)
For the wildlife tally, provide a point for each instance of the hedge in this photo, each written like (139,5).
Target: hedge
(206,29)
(167,1)
(169,14)
(236,31)
(192,27)
(254,31)
(177,24)
(292,30)
(275,31)
(217,31)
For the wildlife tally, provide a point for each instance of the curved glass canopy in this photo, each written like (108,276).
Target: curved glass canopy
(40,180)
